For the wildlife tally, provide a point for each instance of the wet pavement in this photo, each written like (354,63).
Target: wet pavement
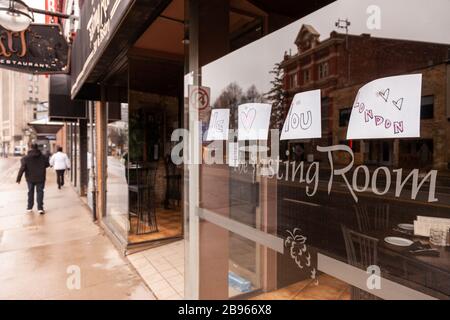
(60,255)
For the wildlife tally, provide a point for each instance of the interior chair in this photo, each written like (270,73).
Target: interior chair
(143,187)
(362,252)
(371,221)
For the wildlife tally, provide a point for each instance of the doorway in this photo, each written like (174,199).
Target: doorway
(144,187)
(154,180)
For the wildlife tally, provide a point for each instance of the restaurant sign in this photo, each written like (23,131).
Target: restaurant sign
(40,49)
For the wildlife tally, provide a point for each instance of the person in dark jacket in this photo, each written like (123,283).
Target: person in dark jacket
(34,165)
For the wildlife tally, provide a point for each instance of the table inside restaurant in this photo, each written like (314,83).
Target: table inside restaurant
(433,271)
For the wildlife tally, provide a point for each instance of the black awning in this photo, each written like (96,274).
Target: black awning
(95,50)
(61,106)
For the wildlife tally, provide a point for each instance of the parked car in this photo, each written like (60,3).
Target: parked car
(18,151)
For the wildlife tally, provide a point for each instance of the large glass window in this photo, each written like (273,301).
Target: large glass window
(154,180)
(325,214)
(117,216)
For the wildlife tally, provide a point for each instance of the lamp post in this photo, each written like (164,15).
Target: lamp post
(16,15)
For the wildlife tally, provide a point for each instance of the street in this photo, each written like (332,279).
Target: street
(60,255)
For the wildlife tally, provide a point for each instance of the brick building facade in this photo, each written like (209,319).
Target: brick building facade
(341,65)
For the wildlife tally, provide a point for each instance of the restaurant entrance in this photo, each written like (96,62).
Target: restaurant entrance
(144,186)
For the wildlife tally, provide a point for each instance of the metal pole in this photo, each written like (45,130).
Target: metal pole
(92,164)
(54,14)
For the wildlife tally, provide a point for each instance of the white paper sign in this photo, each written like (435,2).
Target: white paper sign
(387,108)
(219,125)
(254,121)
(304,119)
(233,157)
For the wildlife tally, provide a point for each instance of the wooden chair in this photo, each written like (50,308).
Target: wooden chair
(362,252)
(378,220)
(381,216)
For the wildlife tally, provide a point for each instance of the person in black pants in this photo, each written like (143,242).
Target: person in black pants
(34,165)
(60,177)
(60,162)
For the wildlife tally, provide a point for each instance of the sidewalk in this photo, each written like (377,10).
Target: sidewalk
(40,255)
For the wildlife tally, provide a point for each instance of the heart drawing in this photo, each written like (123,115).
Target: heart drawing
(385,94)
(398,104)
(248,117)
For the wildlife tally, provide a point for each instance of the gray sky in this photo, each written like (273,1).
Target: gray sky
(400,19)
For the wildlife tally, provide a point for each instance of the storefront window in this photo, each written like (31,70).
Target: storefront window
(311,205)
(117,215)
(154,180)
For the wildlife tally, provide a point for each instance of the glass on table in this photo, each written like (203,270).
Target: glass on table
(437,236)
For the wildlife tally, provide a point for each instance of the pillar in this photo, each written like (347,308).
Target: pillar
(101,157)
(209,28)
(83,175)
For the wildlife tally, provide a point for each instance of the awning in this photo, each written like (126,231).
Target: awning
(45,127)
(101,45)
(61,106)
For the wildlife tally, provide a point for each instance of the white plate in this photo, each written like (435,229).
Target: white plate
(406,226)
(401,242)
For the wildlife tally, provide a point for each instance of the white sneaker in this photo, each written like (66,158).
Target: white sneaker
(29,210)
(41,211)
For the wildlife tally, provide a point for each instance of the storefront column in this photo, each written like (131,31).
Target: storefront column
(83,138)
(75,153)
(72,159)
(208,29)
(101,124)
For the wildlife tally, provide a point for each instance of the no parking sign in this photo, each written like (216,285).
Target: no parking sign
(199,97)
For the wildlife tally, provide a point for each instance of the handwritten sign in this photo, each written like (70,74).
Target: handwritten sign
(387,108)
(219,125)
(254,121)
(304,119)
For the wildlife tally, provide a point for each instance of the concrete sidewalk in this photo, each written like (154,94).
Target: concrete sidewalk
(40,256)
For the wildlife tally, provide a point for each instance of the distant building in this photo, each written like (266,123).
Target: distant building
(340,65)
(22,99)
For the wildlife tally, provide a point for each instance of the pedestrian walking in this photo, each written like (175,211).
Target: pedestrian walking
(34,165)
(60,162)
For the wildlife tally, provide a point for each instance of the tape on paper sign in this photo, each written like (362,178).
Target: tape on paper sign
(254,121)
(304,120)
(387,108)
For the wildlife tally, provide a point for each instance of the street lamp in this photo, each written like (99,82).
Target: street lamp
(15,15)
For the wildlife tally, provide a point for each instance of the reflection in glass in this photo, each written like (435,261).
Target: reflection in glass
(117,186)
(354,212)
(154,181)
